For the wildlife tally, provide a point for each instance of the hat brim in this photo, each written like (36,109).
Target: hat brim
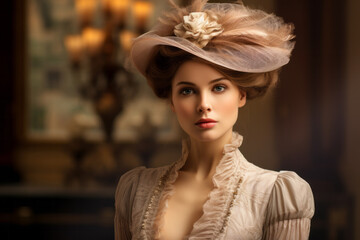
(251,59)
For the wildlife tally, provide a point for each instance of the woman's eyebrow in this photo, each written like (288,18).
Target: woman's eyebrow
(218,79)
(185,83)
(192,84)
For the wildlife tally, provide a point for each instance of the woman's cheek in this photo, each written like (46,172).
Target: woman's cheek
(186,112)
(183,110)
(228,105)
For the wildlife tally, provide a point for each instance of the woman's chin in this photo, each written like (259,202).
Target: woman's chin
(208,135)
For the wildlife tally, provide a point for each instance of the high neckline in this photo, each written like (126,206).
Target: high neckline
(227,177)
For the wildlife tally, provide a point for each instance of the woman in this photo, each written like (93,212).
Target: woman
(207,60)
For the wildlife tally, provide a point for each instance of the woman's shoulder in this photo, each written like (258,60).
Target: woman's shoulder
(291,198)
(291,181)
(131,175)
(280,181)
(290,208)
(289,195)
(291,187)
(139,175)
(132,183)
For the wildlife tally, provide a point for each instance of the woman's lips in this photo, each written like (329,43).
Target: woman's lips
(206,123)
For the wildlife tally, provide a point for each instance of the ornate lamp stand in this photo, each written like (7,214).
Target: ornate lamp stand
(98,56)
(101,54)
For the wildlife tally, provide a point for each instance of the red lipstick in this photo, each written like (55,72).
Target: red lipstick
(206,123)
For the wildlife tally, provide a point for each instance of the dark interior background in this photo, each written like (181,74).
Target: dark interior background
(316,128)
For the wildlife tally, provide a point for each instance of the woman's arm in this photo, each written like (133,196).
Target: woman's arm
(124,198)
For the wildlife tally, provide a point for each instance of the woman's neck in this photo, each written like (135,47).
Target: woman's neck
(204,157)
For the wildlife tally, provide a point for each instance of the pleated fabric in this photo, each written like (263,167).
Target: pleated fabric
(246,203)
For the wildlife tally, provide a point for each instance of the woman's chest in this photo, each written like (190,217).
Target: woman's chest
(234,209)
(242,221)
(182,209)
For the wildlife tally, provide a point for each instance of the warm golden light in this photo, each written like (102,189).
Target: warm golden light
(93,39)
(119,6)
(142,11)
(117,9)
(126,38)
(85,10)
(74,46)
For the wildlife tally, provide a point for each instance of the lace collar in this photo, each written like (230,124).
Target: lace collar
(227,179)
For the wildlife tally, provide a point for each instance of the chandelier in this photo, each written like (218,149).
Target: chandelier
(98,55)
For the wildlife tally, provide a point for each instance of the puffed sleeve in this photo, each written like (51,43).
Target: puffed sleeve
(124,198)
(290,209)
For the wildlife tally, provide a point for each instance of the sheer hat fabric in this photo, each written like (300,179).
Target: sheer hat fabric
(227,34)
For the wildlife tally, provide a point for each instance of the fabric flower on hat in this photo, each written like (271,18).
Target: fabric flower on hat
(199,28)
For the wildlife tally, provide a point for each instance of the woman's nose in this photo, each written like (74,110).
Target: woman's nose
(204,104)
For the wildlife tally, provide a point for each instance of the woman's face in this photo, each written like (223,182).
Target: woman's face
(204,101)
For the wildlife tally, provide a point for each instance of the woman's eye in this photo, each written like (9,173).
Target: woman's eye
(186,91)
(219,88)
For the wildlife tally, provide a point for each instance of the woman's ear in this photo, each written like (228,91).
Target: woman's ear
(242,99)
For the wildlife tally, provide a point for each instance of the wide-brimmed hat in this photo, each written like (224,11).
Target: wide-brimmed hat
(227,34)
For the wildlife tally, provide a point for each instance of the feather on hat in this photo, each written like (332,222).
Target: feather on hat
(227,34)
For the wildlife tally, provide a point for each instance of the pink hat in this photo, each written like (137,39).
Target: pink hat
(230,35)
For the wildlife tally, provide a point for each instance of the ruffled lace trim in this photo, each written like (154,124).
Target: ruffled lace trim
(226,181)
(169,189)
(226,178)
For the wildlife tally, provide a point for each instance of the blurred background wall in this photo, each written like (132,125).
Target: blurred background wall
(351,163)
(309,124)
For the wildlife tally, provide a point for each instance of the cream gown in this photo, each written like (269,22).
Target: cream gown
(247,202)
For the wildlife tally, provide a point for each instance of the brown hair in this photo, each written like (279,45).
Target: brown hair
(167,59)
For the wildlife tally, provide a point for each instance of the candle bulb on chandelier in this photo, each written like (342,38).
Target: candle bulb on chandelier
(85,10)
(142,10)
(93,40)
(74,46)
(119,10)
